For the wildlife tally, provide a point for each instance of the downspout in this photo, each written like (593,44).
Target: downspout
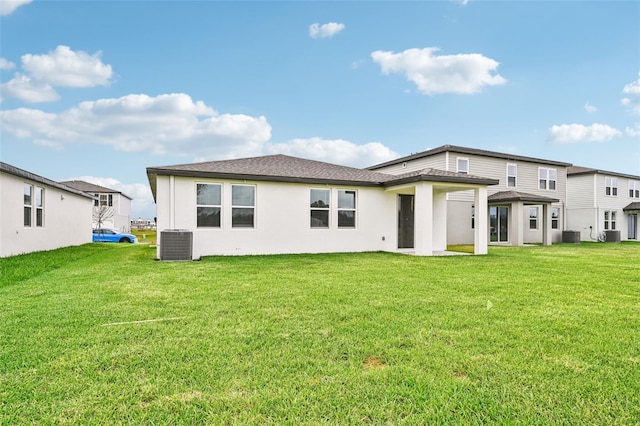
(172,202)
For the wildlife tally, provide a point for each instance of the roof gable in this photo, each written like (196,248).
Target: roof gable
(578,170)
(467,151)
(91,188)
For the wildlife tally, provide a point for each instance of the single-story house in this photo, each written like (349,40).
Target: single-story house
(39,214)
(279,204)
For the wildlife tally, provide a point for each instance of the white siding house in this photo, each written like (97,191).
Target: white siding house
(599,200)
(526,206)
(280,204)
(113,207)
(38,214)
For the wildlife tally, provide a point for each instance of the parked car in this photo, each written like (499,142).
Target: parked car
(108,235)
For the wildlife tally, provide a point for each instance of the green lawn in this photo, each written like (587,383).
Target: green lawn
(104,334)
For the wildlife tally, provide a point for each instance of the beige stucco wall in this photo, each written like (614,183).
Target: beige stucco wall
(282,219)
(67,218)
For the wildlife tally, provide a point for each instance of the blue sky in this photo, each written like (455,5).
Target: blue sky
(99,90)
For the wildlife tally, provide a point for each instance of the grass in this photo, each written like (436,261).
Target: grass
(145,236)
(103,334)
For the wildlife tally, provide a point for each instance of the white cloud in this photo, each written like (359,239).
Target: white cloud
(5,64)
(432,74)
(62,68)
(633,101)
(65,68)
(142,203)
(590,108)
(633,131)
(26,89)
(337,151)
(325,30)
(171,123)
(573,133)
(8,6)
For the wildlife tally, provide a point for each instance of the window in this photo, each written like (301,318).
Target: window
(110,202)
(533,218)
(28,202)
(634,189)
(319,203)
(208,204)
(511,175)
(243,205)
(96,203)
(473,216)
(463,165)
(555,217)
(39,207)
(611,186)
(609,220)
(346,209)
(547,178)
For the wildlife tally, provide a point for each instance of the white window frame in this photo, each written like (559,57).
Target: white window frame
(318,208)
(555,217)
(219,206)
(610,220)
(533,218)
(39,206)
(241,206)
(27,203)
(610,186)
(514,175)
(460,169)
(634,189)
(545,183)
(348,209)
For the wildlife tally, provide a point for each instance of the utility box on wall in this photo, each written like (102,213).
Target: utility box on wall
(176,244)
(571,237)
(612,236)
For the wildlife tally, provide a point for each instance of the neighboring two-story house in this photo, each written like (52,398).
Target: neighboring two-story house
(526,206)
(38,214)
(599,200)
(111,207)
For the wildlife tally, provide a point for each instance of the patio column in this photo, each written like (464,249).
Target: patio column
(440,221)
(516,230)
(546,225)
(481,231)
(423,225)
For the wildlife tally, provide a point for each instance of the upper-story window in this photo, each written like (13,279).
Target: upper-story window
(208,205)
(103,200)
(634,189)
(512,172)
(319,202)
(611,186)
(463,165)
(243,206)
(547,178)
(346,209)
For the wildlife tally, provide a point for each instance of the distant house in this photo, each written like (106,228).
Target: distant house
(112,205)
(38,214)
(525,206)
(281,204)
(599,200)
(142,223)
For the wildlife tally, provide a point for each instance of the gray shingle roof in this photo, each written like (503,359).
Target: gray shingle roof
(578,170)
(468,151)
(505,196)
(283,168)
(8,168)
(83,186)
(632,206)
